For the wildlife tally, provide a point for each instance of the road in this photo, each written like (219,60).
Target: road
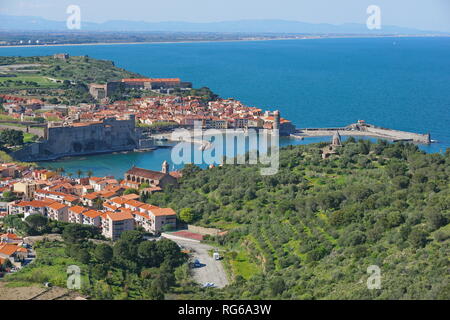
(211,270)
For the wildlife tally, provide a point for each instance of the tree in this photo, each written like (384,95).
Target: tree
(11,137)
(90,173)
(186,215)
(153,293)
(9,196)
(396,168)
(74,233)
(170,252)
(418,237)
(36,223)
(6,265)
(277,286)
(99,271)
(435,219)
(98,204)
(83,256)
(149,254)
(79,173)
(103,253)
(190,170)
(131,190)
(144,185)
(39,119)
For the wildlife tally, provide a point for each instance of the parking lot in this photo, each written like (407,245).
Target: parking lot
(211,270)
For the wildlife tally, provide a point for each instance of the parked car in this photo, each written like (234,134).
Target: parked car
(209,285)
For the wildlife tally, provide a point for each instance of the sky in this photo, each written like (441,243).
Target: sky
(420,14)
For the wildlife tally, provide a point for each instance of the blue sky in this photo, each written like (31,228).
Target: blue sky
(420,14)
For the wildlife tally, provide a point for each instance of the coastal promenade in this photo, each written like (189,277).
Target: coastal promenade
(362,129)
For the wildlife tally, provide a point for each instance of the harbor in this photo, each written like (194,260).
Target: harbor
(363,129)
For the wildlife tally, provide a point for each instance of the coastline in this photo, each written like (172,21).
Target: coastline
(235,40)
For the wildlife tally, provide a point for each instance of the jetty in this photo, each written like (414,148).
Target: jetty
(363,129)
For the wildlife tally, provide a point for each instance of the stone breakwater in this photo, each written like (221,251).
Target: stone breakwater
(366,130)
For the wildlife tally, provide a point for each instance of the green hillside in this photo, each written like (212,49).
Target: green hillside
(312,230)
(57,80)
(75,68)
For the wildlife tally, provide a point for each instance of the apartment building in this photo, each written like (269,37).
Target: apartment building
(58,211)
(115,223)
(76,214)
(92,218)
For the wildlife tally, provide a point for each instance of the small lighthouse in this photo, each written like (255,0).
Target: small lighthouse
(165,167)
(276,120)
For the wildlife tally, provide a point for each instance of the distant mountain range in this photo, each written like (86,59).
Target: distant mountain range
(29,23)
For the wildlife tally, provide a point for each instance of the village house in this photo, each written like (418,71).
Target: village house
(55,196)
(89,199)
(10,238)
(27,188)
(43,174)
(13,253)
(28,208)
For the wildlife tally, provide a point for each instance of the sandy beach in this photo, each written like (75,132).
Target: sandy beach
(235,40)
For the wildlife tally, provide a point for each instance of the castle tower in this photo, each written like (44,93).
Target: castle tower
(276,120)
(165,167)
(336,141)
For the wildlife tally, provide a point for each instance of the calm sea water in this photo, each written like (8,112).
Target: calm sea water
(401,83)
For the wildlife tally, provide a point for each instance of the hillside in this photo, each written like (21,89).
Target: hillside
(75,68)
(66,81)
(49,78)
(312,230)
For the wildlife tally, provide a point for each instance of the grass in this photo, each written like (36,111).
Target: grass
(7,117)
(4,157)
(241,265)
(224,225)
(29,137)
(18,284)
(40,80)
(50,266)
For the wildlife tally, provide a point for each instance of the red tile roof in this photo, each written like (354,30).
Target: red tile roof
(150,174)
(34,203)
(11,236)
(135,203)
(57,206)
(119,216)
(163,212)
(92,214)
(78,209)
(8,249)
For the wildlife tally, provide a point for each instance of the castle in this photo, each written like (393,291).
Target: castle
(83,138)
(101,91)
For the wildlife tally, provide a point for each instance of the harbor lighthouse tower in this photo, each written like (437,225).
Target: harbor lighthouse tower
(165,167)
(276,120)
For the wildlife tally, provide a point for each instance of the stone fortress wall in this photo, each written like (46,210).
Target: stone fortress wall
(109,135)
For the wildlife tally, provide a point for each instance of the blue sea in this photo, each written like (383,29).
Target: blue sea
(398,83)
